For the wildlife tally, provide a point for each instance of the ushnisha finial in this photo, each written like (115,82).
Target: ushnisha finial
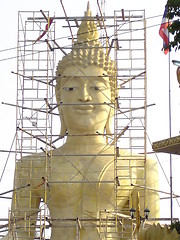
(88,28)
(88,11)
(87,50)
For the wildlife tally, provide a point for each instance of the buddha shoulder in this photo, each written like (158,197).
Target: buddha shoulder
(31,165)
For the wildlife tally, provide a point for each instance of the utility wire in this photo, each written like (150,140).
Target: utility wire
(60,38)
(9,58)
(69,46)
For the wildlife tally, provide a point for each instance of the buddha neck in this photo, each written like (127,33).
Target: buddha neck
(88,139)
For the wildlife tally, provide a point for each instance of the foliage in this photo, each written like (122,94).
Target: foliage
(176,225)
(173,14)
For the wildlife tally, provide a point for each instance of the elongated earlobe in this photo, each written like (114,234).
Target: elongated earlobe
(109,123)
(63,125)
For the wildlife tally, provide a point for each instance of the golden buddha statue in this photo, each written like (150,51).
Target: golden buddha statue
(156,232)
(77,182)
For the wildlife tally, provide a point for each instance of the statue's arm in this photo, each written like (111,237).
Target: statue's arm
(25,202)
(148,197)
(152,182)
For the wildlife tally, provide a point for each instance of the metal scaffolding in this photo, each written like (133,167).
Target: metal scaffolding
(36,110)
(35,100)
(131,104)
(35,81)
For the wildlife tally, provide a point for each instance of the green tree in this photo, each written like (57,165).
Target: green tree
(176,225)
(173,14)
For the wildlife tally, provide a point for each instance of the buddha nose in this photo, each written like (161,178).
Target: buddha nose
(84,94)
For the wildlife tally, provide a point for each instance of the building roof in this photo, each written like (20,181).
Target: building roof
(169,145)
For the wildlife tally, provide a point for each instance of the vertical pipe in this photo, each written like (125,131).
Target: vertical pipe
(40,222)
(100,224)
(145,113)
(46,161)
(30,206)
(9,224)
(77,230)
(17,91)
(115,117)
(29,226)
(170,156)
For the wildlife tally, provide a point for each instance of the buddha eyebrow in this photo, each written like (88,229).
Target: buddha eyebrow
(100,76)
(90,78)
(99,79)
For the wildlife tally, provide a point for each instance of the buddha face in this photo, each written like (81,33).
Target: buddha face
(85,95)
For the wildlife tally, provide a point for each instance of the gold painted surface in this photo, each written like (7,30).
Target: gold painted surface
(157,232)
(79,181)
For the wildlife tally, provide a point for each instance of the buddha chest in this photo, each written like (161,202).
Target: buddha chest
(82,184)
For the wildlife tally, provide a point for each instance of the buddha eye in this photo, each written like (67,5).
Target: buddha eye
(98,88)
(70,89)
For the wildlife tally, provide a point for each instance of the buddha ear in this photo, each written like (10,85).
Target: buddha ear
(109,123)
(63,125)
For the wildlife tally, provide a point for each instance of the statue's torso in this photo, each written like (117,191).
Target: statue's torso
(78,180)
(79,185)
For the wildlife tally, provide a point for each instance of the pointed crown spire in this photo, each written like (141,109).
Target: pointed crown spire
(88,11)
(88,28)
(87,50)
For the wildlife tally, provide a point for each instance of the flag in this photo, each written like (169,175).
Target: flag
(50,20)
(163,31)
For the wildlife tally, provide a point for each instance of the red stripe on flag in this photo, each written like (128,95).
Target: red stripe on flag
(46,29)
(163,31)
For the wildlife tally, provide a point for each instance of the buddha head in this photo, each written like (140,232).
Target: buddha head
(85,83)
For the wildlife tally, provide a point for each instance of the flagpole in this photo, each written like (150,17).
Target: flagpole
(170,156)
(164,33)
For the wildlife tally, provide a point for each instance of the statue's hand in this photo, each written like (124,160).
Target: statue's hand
(157,232)
(7,237)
